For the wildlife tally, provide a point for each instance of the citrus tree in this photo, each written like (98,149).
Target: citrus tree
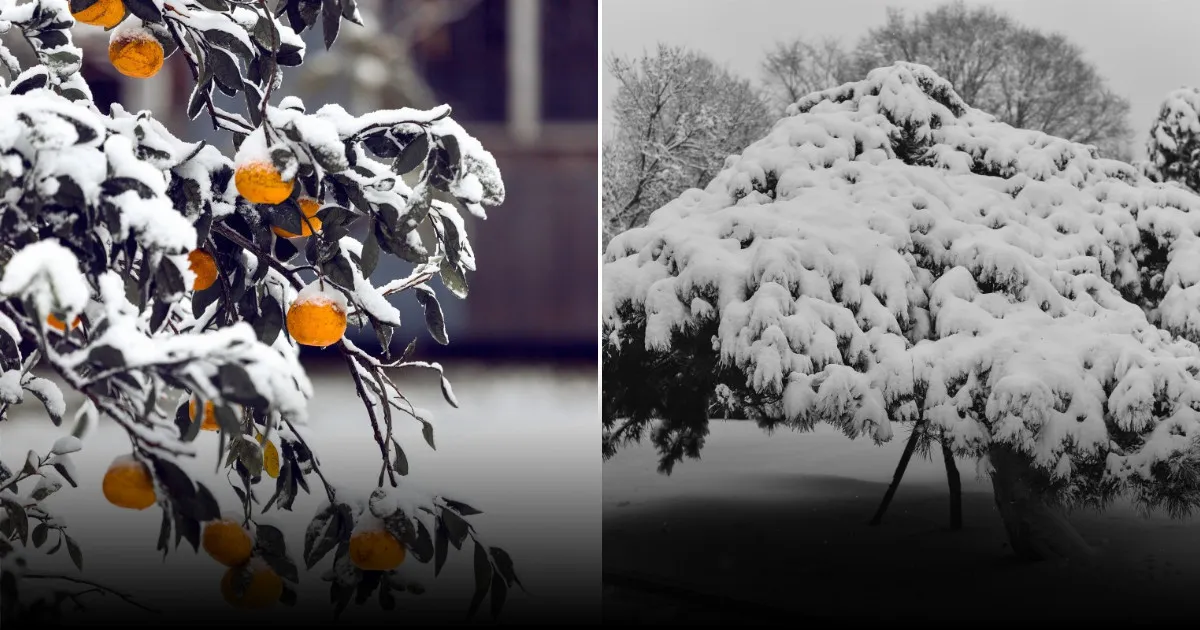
(888,257)
(172,284)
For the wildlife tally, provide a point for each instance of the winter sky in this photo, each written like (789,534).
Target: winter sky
(1143,47)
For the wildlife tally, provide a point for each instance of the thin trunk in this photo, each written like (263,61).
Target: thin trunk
(1037,529)
(955,486)
(898,475)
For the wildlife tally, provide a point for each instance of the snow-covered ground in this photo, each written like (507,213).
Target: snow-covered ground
(780,521)
(522,448)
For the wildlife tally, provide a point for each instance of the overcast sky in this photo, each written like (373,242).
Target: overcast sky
(1145,48)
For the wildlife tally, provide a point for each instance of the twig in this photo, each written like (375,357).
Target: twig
(95,586)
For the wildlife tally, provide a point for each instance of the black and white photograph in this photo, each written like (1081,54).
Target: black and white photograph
(900,305)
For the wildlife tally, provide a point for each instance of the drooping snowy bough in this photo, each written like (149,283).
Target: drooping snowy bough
(888,256)
(164,281)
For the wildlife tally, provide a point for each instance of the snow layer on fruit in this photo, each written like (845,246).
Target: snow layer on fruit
(49,273)
(885,236)
(321,293)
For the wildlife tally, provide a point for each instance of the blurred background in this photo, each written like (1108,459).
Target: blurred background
(521,76)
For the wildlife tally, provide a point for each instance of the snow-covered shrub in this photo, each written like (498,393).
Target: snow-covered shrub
(886,255)
(178,289)
(1174,145)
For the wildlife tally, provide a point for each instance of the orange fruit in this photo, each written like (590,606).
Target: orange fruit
(57,324)
(204,266)
(309,208)
(227,542)
(209,423)
(260,182)
(265,587)
(104,13)
(316,320)
(128,484)
(136,53)
(376,550)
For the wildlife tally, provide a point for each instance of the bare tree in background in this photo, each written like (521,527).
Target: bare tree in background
(1026,78)
(677,117)
(378,57)
(797,68)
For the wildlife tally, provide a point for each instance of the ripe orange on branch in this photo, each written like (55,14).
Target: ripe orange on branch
(59,325)
(128,484)
(103,13)
(308,225)
(209,423)
(265,587)
(227,542)
(135,53)
(376,550)
(317,318)
(204,266)
(260,182)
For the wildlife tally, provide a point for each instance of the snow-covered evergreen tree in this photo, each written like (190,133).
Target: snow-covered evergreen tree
(179,268)
(887,256)
(1174,146)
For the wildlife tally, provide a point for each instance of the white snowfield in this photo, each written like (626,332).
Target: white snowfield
(884,236)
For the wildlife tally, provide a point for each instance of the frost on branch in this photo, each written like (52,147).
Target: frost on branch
(886,254)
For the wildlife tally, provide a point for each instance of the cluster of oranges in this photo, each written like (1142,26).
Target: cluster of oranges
(135,52)
(228,542)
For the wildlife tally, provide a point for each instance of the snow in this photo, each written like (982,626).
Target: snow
(66,444)
(10,387)
(321,293)
(842,267)
(367,297)
(48,273)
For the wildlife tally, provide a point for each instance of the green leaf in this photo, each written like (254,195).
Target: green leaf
(229,42)
(189,427)
(270,319)
(225,70)
(228,420)
(504,565)
(435,321)
(18,518)
(250,454)
(454,279)
(322,535)
(499,592)
(144,10)
(457,528)
(399,461)
(461,508)
(338,270)
(440,546)
(370,251)
(106,357)
(483,579)
(40,533)
(75,552)
(331,21)
(412,156)
(236,385)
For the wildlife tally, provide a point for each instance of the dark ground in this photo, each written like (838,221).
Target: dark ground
(809,554)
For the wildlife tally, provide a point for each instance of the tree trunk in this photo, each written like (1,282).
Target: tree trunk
(955,486)
(1037,529)
(898,475)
